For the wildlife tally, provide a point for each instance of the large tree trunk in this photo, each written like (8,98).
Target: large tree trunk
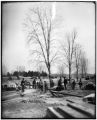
(77,74)
(49,74)
(49,77)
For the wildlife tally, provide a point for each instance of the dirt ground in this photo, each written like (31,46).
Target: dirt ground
(33,104)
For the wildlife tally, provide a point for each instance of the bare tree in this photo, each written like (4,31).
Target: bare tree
(77,55)
(83,64)
(68,51)
(20,68)
(61,70)
(40,68)
(39,24)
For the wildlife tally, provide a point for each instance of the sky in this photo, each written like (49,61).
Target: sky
(69,15)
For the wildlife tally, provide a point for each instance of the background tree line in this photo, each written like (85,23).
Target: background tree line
(26,74)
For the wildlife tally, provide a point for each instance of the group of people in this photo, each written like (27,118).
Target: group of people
(43,86)
(35,84)
(40,85)
(72,84)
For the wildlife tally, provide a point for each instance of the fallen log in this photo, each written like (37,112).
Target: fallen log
(63,93)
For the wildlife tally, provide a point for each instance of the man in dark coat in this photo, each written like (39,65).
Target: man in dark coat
(52,83)
(80,84)
(65,83)
(34,83)
(73,84)
(45,86)
(23,85)
(60,87)
(60,82)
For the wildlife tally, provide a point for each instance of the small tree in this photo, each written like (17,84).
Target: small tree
(83,64)
(61,70)
(77,56)
(68,51)
(16,73)
(40,69)
(9,76)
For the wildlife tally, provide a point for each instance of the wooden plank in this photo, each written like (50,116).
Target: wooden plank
(82,109)
(70,93)
(70,101)
(52,113)
(68,112)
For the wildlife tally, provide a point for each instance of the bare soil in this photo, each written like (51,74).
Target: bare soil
(33,104)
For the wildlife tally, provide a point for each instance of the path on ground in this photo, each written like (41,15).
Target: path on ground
(33,105)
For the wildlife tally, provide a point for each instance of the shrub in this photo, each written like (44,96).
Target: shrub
(10,88)
(89,86)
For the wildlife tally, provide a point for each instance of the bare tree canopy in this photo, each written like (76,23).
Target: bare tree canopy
(84,64)
(39,31)
(77,57)
(68,51)
(61,69)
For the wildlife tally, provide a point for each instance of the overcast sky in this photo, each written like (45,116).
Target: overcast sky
(70,15)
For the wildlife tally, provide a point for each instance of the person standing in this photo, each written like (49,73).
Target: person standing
(60,87)
(34,83)
(23,85)
(73,84)
(52,83)
(60,82)
(41,85)
(37,84)
(45,86)
(65,83)
(80,84)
